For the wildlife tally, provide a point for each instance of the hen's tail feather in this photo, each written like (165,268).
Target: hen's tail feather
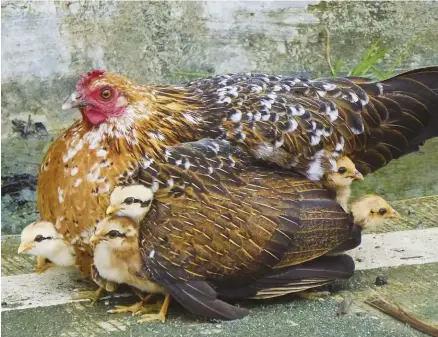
(407,105)
(311,274)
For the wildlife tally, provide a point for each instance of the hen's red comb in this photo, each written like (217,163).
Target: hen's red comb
(90,76)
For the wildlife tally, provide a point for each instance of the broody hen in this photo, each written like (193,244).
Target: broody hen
(298,124)
(226,229)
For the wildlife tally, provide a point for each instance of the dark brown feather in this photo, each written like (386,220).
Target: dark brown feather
(261,222)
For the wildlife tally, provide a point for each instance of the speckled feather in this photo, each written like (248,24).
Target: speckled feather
(298,124)
(303,123)
(256,222)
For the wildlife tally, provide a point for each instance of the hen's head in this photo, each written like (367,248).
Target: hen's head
(101,95)
(371,210)
(345,174)
(133,201)
(115,233)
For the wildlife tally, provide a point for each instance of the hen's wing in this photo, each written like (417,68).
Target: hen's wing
(305,124)
(223,220)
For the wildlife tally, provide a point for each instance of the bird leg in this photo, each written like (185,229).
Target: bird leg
(313,295)
(42,265)
(161,316)
(93,295)
(136,308)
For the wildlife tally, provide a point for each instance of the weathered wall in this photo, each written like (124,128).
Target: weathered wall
(46,45)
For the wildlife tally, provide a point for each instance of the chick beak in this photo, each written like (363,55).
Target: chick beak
(358,175)
(111,210)
(394,215)
(94,240)
(73,102)
(24,247)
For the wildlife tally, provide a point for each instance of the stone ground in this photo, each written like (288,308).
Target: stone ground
(30,309)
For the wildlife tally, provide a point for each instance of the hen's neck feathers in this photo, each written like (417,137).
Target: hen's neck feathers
(156,116)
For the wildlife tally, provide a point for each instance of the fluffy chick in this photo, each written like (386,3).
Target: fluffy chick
(371,210)
(341,180)
(43,240)
(133,201)
(117,259)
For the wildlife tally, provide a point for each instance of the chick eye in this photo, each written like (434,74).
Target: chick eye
(106,93)
(382,211)
(115,234)
(129,200)
(39,238)
(342,170)
(146,203)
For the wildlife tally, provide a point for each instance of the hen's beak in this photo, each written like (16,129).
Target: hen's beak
(110,210)
(74,101)
(358,175)
(24,247)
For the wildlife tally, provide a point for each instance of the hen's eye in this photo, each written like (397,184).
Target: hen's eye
(129,200)
(115,234)
(39,238)
(382,211)
(342,170)
(106,93)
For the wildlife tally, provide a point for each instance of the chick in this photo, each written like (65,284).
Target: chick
(43,240)
(133,201)
(117,258)
(371,210)
(341,180)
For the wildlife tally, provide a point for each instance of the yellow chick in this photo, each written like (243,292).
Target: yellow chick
(133,201)
(41,239)
(117,259)
(371,210)
(341,180)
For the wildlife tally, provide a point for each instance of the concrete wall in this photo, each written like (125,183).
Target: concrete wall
(46,45)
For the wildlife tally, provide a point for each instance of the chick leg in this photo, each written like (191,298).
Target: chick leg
(93,295)
(313,295)
(42,265)
(135,308)
(161,316)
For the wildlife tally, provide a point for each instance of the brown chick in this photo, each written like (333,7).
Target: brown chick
(371,210)
(341,180)
(117,259)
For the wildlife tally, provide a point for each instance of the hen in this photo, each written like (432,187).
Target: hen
(299,124)
(228,229)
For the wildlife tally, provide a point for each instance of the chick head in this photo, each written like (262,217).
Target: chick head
(133,201)
(371,211)
(41,238)
(345,173)
(115,232)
